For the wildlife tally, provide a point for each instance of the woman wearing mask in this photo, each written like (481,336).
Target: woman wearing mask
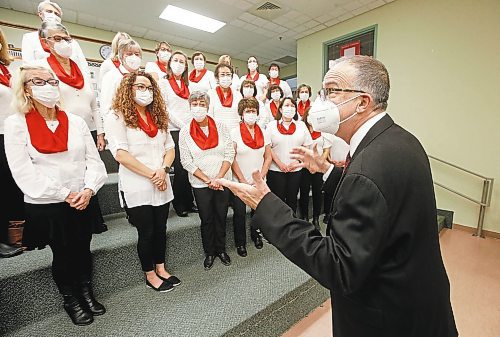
(175,91)
(141,143)
(274,97)
(321,143)
(207,153)
(235,85)
(274,78)
(54,161)
(261,81)
(13,206)
(77,95)
(112,61)
(247,90)
(286,133)
(200,78)
(252,152)
(304,99)
(159,69)
(130,56)
(223,99)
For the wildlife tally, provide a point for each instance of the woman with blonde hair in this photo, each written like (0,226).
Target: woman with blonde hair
(160,67)
(139,140)
(112,61)
(54,161)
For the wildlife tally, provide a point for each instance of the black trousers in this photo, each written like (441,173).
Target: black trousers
(308,181)
(285,186)
(239,223)
(99,220)
(212,209)
(151,224)
(183,193)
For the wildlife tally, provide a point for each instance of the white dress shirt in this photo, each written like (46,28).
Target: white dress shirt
(150,151)
(206,83)
(49,178)
(179,113)
(225,115)
(109,85)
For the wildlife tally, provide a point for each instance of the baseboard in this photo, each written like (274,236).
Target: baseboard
(472,230)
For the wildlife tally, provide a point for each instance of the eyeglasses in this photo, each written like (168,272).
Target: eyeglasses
(60,38)
(329,91)
(142,87)
(253,111)
(40,82)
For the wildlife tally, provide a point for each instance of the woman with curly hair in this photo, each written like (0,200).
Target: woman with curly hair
(139,140)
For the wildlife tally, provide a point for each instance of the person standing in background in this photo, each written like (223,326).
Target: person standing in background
(274,78)
(235,84)
(200,78)
(160,68)
(112,61)
(303,98)
(260,80)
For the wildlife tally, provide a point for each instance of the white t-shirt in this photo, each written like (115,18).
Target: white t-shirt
(150,151)
(261,85)
(206,83)
(282,144)
(225,115)
(152,67)
(177,107)
(248,159)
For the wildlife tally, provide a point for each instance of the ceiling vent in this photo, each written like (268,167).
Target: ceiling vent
(267,11)
(268,6)
(286,60)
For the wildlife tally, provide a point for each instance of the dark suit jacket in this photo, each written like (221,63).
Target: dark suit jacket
(380,258)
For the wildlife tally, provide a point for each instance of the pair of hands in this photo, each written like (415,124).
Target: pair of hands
(101,142)
(287,168)
(159,179)
(79,200)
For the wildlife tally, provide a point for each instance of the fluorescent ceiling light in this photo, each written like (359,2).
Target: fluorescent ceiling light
(191,19)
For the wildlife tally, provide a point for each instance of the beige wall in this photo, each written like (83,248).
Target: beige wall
(443,60)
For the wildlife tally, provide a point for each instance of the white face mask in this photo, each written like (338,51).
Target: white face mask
(143,98)
(164,55)
(51,17)
(273,73)
(324,115)
(276,95)
(199,64)
(47,94)
(248,92)
(225,81)
(288,111)
(252,66)
(63,48)
(250,118)
(133,62)
(177,67)
(304,96)
(199,113)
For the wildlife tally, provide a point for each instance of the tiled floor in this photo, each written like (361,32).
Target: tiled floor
(473,266)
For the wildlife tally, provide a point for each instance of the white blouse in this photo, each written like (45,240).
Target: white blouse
(248,159)
(139,190)
(105,67)
(282,144)
(261,85)
(266,116)
(208,161)
(323,142)
(109,85)
(49,178)
(81,102)
(179,113)
(225,115)
(5,107)
(339,148)
(236,83)
(206,83)
(152,67)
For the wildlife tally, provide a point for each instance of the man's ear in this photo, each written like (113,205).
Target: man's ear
(366,101)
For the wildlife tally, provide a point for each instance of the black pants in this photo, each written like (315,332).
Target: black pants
(212,209)
(285,186)
(13,204)
(308,181)
(151,224)
(183,193)
(239,223)
(98,223)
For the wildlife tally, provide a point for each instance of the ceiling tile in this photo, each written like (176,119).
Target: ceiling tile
(352,5)
(270,25)
(280,29)
(360,10)
(300,28)
(248,17)
(237,23)
(292,14)
(332,22)
(250,27)
(346,16)
(311,24)
(281,20)
(242,4)
(302,18)
(324,18)
(375,4)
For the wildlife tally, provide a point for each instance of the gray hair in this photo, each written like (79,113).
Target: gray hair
(48,2)
(371,77)
(126,44)
(49,25)
(199,95)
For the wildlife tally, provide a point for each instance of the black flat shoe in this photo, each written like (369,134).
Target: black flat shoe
(79,314)
(88,299)
(224,258)
(9,251)
(193,209)
(172,280)
(209,262)
(258,242)
(241,250)
(163,288)
(182,214)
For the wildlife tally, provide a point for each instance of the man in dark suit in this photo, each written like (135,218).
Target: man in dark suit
(380,257)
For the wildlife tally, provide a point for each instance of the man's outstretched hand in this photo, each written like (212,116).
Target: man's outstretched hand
(310,159)
(251,195)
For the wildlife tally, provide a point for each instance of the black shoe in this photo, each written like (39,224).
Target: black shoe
(193,209)
(101,228)
(258,242)
(315,222)
(182,214)
(304,216)
(163,288)
(326,218)
(241,250)
(172,280)
(9,251)
(88,299)
(209,262)
(79,314)
(224,258)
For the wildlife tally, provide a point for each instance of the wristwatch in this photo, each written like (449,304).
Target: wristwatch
(166,168)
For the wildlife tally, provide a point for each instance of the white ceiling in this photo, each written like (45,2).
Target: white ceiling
(268,34)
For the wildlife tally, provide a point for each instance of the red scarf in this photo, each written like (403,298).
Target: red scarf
(150,127)
(256,143)
(301,108)
(274,81)
(315,134)
(199,136)
(44,45)
(5,75)
(255,78)
(183,91)
(42,138)
(161,66)
(225,101)
(274,108)
(74,79)
(196,79)
(283,131)
(116,63)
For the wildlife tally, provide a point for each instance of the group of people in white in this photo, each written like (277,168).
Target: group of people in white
(204,125)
